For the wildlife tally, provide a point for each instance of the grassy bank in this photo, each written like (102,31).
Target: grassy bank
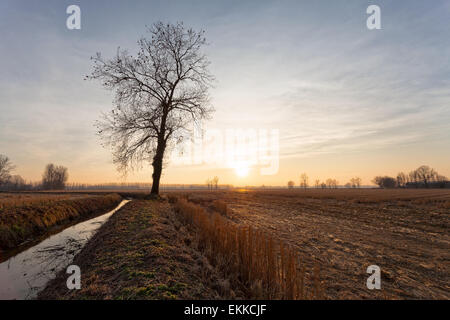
(143,252)
(26,218)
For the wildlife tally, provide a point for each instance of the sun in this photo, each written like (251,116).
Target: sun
(241,170)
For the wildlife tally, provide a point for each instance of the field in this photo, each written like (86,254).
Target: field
(404,232)
(218,245)
(26,216)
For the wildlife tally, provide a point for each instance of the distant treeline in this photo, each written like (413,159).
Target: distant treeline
(53,178)
(137,186)
(422,177)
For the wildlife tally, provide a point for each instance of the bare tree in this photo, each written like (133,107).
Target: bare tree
(158,94)
(335,183)
(291,184)
(304,180)
(16,182)
(54,177)
(6,167)
(355,182)
(215,181)
(425,174)
(331,183)
(401,180)
(317,183)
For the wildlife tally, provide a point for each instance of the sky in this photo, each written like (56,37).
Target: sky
(345,100)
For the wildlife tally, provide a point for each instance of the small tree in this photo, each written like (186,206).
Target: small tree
(329,183)
(54,177)
(6,167)
(291,184)
(401,180)
(317,183)
(215,182)
(304,181)
(355,182)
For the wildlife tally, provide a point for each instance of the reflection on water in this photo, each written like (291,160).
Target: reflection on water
(27,273)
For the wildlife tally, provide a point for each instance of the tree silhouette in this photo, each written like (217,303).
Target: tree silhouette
(54,177)
(215,182)
(6,167)
(304,180)
(158,93)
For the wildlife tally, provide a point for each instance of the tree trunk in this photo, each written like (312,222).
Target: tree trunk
(157,170)
(157,165)
(159,155)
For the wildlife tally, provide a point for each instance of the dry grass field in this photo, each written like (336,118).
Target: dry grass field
(404,232)
(270,244)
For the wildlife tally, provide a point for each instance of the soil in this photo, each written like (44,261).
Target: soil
(405,233)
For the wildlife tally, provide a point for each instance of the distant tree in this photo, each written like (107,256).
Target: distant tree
(348,185)
(6,167)
(304,181)
(159,93)
(385,182)
(401,180)
(323,185)
(16,182)
(215,181)
(317,183)
(209,183)
(291,184)
(355,182)
(425,174)
(54,177)
(331,183)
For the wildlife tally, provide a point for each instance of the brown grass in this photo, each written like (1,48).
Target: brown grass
(27,216)
(221,207)
(267,268)
(141,253)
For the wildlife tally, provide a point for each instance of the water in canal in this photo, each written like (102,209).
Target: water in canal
(25,274)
